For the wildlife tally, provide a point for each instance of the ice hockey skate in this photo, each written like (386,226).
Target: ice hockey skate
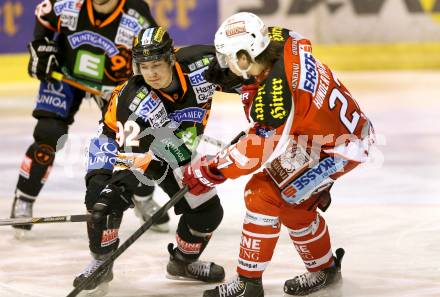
(99,287)
(145,207)
(237,287)
(179,268)
(21,208)
(310,282)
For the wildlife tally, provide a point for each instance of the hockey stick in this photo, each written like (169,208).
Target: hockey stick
(158,214)
(61,77)
(212,140)
(219,143)
(138,233)
(45,220)
(236,138)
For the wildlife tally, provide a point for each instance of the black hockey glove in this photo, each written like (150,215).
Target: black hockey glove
(43,59)
(111,199)
(222,77)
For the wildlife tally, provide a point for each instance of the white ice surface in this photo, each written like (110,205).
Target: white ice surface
(386,213)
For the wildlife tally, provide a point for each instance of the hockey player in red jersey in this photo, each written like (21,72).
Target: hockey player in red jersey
(307,129)
(90,41)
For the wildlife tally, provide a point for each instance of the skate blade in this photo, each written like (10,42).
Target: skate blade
(333,290)
(21,234)
(101,290)
(181,278)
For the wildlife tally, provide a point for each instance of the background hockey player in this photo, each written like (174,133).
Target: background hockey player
(308,128)
(163,109)
(89,40)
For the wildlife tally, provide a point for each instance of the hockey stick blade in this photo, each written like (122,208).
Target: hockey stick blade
(157,215)
(45,220)
(138,233)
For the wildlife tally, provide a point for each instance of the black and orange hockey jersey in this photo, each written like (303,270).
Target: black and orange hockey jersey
(94,48)
(141,118)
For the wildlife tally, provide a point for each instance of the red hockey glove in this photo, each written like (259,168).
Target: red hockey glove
(200,178)
(248,93)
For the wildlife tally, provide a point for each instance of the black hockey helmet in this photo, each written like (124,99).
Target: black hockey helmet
(153,43)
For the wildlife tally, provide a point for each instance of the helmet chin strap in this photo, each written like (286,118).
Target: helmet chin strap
(243,72)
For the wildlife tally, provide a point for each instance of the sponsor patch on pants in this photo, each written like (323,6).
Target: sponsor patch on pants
(109,236)
(188,247)
(25,167)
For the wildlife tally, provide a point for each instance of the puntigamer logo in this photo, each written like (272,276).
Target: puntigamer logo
(191,114)
(94,39)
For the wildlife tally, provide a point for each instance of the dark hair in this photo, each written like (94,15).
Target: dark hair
(271,54)
(268,56)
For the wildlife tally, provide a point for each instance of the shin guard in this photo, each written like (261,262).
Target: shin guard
(313,244)
(258,240)
(35,168)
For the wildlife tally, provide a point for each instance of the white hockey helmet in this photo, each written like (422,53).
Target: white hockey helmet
(241,31)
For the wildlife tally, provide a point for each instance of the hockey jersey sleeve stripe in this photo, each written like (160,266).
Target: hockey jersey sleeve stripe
(110,117)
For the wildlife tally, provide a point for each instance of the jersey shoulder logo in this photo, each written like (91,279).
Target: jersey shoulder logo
(67,6)
(200,63)
(203,89)
(309,75)
(142,21)
(68,11)
(128,28)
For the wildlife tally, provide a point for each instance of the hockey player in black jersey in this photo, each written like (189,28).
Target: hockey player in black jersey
(151,127)
(90,41)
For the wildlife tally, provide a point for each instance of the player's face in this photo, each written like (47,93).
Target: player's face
(105,6)
(157,74)
(243,65)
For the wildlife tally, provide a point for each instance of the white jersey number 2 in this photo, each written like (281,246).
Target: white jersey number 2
(349,124)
